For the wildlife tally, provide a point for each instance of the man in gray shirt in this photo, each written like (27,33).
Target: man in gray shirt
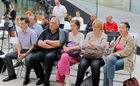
(27,39)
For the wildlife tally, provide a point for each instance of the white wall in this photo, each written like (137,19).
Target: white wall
(119,4)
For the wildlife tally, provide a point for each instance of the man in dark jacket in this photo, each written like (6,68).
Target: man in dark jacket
(89,24)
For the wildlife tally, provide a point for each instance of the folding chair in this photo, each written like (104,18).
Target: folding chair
(4,65)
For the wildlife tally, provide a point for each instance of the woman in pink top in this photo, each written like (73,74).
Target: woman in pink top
(122,56)
(66,61)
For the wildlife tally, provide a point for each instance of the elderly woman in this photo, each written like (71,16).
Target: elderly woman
(122,56)
(95,39)
(66,60)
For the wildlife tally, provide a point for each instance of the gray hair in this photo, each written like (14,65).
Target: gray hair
(57,20)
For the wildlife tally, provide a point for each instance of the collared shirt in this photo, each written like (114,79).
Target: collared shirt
(47,35)
(27,39)
(60,10)
(37,28)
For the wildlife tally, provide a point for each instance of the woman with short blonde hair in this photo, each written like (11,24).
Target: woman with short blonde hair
(96,39)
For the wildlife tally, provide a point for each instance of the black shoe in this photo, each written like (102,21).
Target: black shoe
(19,63)
(9,78)
(40,81)
(26,81)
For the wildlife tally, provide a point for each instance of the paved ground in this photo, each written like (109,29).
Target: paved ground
(118,16)
(118,78)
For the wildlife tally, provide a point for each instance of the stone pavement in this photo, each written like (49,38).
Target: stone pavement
(119,78)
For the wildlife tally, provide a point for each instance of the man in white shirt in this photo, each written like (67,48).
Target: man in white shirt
(60,12)
(77,17)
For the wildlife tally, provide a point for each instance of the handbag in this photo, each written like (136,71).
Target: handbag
(131,82)
(91,53)
(72,53)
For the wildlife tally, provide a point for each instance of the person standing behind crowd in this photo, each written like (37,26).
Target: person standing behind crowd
(34,25)
(110,25)
(27,39)
(78,17)
(45,21)
(11,15)
(60,12)
(122,56)
(66,61)
(89,24)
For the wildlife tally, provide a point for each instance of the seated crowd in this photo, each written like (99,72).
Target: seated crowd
(41,46)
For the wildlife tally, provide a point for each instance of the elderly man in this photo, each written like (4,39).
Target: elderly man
(89,24)
(110,25)
(60,12)
(49,43)
(27,39)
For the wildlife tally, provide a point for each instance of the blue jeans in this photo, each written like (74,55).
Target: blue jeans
(110,67)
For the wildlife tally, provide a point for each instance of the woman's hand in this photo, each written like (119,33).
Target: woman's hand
(92,44)
(112,43)
(112,54)
(66,49)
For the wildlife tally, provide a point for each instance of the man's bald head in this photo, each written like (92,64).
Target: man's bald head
(109,18)
(93,17)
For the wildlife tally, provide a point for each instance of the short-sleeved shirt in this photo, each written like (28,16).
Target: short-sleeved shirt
(110,27)
(80,19)
(47,35)
(27,38)
(37,28)
(78,38)
(60,10)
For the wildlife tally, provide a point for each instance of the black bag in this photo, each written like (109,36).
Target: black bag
(87,81)
(2,65)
